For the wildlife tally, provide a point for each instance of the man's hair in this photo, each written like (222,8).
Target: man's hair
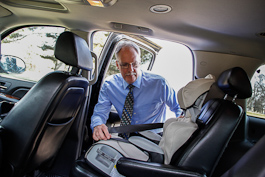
(126,44)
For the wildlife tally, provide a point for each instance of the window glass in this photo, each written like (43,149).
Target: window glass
(173,62)
(99,39)
(33,47)
(256,104)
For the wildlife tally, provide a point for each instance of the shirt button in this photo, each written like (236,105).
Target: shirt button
(136,121)
(134,113)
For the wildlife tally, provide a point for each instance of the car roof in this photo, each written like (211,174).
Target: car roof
(231,27)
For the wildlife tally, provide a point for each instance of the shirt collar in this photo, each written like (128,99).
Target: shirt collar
(137,83)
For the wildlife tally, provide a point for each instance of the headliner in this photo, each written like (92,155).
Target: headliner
(203,25)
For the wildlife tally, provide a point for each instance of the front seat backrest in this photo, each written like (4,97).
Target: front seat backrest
(35,128)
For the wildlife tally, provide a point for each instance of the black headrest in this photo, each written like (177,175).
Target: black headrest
(235,81)
(73,50)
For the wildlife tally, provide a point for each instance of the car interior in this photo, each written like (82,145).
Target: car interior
(56,54)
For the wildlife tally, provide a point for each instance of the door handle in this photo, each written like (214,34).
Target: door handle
(2,87)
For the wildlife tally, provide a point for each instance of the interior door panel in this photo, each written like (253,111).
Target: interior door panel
(12,90)
(256,128)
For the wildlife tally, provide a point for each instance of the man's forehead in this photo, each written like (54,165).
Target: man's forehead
(125,48)
(128,53)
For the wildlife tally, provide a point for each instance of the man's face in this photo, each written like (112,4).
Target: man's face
(128,64)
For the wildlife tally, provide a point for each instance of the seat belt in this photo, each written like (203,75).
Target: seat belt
(135,128)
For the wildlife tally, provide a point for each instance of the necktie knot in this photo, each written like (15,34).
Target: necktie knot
(131,87)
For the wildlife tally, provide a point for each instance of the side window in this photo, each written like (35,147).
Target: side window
(256,104)
(99,39)
(179,72)
(28,53)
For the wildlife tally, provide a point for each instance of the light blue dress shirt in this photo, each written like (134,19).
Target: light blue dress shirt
(151,95)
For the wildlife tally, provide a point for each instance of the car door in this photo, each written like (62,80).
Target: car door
(26,56)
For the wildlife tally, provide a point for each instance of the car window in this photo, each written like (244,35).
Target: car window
(256,103)
(28,53)
(179,72)
(99,39)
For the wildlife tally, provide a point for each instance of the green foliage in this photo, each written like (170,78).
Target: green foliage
(146,56)
(18,35)
(46,47)
(257,102)
(13,37)
(112,67)
(34,28)
(52,35)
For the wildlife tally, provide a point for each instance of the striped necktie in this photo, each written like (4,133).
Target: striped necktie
(127,110)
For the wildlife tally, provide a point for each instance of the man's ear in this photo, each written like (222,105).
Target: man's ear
(117,64)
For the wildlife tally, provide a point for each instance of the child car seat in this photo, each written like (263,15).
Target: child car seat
(103,155)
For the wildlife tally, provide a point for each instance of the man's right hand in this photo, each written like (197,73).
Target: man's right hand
(101,132)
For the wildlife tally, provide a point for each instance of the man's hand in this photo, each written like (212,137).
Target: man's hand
(181,116)
(101,132)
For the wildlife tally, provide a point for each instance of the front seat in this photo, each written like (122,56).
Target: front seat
(217,122)
(36,127)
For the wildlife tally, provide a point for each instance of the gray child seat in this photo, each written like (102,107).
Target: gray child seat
(176,131)
(104,155)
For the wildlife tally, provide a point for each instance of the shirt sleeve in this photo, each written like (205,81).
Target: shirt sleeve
(171,99)
(102,108)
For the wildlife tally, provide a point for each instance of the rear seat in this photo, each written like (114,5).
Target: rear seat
(191,99)
(217,123)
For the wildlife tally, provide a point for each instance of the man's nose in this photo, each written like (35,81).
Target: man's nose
(130,67)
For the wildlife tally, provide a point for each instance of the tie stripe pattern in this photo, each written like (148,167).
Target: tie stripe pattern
(128,109)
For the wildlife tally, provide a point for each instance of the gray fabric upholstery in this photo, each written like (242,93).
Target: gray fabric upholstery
(191,96)
(176,131)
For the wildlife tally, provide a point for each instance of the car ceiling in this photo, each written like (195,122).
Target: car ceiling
(230,27)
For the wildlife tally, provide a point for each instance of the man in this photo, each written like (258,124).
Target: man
(151,93)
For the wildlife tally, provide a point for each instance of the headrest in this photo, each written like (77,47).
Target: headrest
(188,94)
(73,50)
(235,81)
